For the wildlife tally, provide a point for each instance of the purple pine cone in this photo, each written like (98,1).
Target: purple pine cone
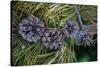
(31,29)
(70,28)
(84,38)
(52,38)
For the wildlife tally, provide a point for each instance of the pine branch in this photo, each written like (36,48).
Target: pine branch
(79,16)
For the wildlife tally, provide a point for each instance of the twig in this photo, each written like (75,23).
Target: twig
(79,16)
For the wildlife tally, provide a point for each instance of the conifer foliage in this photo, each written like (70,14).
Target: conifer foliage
(50,33)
